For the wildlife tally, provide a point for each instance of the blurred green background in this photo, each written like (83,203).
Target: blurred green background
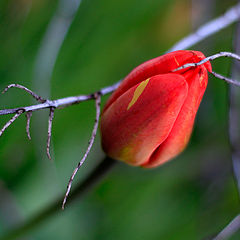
(191,197)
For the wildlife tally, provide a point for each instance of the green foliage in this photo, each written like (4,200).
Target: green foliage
(191,197)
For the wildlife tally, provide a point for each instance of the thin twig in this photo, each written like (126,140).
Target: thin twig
(28,116)
(47,54)
(210,58)
(61,102)
(234,112)
(10,121)
(234,138)
(94,132)
(229,230)
(233,132)
(95,176)
(226,79)
(206,30)
(33,94)
(51,115)
(230,16)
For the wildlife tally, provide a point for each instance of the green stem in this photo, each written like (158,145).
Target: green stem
(55,208)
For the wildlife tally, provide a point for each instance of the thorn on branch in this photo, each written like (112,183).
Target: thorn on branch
(33,94)
(11,121)
(51,115)
(97,97)
(28,116)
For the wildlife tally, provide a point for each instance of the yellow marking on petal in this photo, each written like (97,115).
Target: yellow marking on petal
(138,91)
(125,152)
(176,61)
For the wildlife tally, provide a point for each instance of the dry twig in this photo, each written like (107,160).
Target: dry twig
(234,137)
(15,117)
(229,230)
(94,132)
(28,116)
(211,58)
(33,94)
(226,79)
(61,102)
(53,104)
(230,16)
(210,28)
(234,112)
(51,115)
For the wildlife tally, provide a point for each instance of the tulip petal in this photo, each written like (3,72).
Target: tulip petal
(180,133)
(148,120)
(132,134)
(159,65)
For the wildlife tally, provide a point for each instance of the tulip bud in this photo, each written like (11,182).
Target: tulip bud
(148,120)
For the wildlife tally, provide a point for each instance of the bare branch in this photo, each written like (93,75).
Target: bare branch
(210,58)
(109,89)
(94,132)
(51,115)
(234,112)
(230,229)
(208,29)
(33,94)
(226,79)
(94,177)
(234,137)
(28,116)
(61,102)
(10,121)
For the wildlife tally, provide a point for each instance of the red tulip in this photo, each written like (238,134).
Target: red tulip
(148,120)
